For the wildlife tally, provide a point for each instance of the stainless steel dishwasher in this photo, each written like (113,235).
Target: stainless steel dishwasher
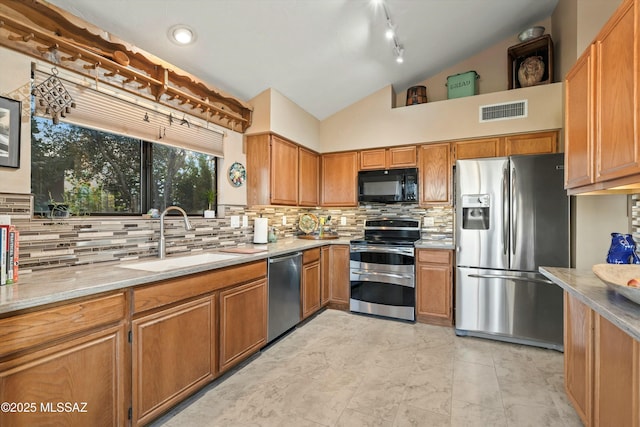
(284,294)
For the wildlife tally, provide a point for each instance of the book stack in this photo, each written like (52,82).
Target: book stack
(8,254)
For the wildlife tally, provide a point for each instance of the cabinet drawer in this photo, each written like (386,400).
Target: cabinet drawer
(310,255)
(170,291)
(31,329)
(435,256)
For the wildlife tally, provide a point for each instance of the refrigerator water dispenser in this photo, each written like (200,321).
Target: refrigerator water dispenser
(475,211)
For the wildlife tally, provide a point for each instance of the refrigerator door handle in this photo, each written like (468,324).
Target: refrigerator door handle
(514,278)
(514,212)
(505,211)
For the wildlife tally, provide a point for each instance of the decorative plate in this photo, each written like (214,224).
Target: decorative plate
(616,277)
(237,174)
(308,223)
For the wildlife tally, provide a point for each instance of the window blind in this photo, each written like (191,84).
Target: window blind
(101,107)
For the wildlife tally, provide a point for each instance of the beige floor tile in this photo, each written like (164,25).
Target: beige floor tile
(341,369)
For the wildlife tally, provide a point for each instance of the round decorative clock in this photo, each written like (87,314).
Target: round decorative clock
(237,174)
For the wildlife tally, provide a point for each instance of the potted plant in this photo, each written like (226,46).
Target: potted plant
(210,213)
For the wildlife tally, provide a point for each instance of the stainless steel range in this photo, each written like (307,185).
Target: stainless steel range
(382,268)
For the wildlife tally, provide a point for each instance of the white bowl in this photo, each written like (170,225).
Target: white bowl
(616,277)
(531,33)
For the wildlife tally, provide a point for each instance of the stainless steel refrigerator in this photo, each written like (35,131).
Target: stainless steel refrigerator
(512,216)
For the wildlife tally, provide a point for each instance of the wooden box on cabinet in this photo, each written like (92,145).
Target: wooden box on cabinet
(540,46)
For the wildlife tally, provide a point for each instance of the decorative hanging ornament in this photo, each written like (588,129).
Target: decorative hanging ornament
(55,96)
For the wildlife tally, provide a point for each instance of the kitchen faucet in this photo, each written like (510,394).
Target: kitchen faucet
(162,249)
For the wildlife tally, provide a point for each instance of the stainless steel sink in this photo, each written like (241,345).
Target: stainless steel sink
(178,262)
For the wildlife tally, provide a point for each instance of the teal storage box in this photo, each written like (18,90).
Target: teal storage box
(463,84)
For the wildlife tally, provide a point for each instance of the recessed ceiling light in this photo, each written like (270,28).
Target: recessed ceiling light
(181,35)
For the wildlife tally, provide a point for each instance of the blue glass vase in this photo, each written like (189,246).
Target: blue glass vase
(622,250)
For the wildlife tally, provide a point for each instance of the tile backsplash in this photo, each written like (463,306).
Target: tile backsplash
(52,243)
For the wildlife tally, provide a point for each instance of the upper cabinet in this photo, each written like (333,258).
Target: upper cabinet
(339,172)
(389,158)
(280,172)
(509,145)
(435,174)
(601,92)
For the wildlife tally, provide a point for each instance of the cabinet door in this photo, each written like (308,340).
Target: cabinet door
(532,143)
(308,176)
(373,159)
(325,267)
(477,148)
(617,148)
(284,172)
(434,287)
(173,355)
(243,322)
(579,121)
(340,286)
(258,169)
(435,174)
(402,157)
(310,289)
(615,396)
(89,371)
(340,179)
(578,356)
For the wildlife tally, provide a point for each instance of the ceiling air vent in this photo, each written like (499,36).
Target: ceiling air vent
(503,111)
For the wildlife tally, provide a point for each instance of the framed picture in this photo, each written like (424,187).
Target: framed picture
(10,132)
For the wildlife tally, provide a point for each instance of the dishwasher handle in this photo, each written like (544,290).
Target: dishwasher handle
(284,257)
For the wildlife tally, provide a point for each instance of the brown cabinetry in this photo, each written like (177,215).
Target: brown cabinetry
(507,145)
(602,368)
(339,172)
(309,176)
(601,110)
(243,322)
(435,174)
(476,148)
(279,172)
(311,282)
(389,158)
(174,355)
(339,276)
(73,353)
(325,277)
(434,286)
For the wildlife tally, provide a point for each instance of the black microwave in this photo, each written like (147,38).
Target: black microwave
(388,186)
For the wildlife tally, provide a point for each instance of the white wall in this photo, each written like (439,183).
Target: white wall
(15,84)
(372,122)
(233,152)
(596,217)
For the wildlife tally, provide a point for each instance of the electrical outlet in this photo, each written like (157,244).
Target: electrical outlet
(429,221)
(284,220)
(245,221)
(235,221)
(343,220)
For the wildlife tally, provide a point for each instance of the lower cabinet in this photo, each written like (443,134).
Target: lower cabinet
(434,286)
(173,355)
(325,275)
(66,365)
(339,276)
(243,322)
(602,368)
(311,282)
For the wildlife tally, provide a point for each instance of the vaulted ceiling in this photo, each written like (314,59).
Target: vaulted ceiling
(322,54)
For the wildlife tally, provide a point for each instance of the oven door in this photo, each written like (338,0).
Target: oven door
(383,282)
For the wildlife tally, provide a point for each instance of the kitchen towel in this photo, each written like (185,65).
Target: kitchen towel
(260,230)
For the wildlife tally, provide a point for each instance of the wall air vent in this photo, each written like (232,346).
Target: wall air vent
(503,111)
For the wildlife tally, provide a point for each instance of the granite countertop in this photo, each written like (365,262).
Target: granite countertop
(435,244)
(63,284)
(586,287)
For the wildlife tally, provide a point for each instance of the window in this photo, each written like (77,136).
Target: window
(86,171)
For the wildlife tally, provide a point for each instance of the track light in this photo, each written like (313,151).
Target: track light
(399,52)
(390,32)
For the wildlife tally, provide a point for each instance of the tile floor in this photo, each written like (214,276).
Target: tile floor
(342,369)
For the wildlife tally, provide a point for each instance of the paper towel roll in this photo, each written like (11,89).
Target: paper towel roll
(260,230)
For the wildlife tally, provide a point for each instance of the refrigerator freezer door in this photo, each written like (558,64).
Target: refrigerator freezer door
(482,190)
(539,213)
(512,306)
